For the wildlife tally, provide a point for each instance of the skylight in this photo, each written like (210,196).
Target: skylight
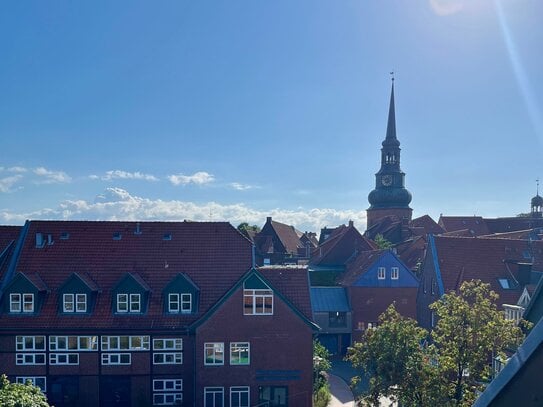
(504,283)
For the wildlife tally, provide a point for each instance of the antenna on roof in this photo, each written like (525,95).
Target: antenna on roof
(537,183)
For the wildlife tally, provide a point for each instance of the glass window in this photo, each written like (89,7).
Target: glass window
(21,303)
(38,381)
(173,303)
(239,353)
(239,396)
(116,358)
(214,353)
(275,395)
(337,319)
(168,358)
(128,303)
(381,273)
(394,273)
(24,343)
(168,344)
(186,303)
(258,302)
(213,397)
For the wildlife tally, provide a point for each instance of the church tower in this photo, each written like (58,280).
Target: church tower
(390,197)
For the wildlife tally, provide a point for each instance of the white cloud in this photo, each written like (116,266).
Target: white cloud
(17,169)
(7,183)
(119,174)
(52,177)
(119,204)
(446,7)
(198,178)
(240,187)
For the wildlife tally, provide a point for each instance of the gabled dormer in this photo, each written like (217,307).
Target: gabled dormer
(181,296)
(24,295)
(77,295)
(257,296)
(130,295)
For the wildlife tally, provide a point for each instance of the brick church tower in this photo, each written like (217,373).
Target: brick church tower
(390,197)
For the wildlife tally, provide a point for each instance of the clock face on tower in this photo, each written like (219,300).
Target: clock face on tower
(386,180)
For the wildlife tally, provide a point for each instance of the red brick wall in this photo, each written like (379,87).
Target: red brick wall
(278,342)
(370,302)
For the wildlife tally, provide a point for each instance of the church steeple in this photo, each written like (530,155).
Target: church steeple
(390,197)
(391,124)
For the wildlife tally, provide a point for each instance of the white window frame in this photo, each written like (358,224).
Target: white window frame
(71,302)
(135,303)
(186,303)
(115,358)
(174,304)
(381,273)
(29,358)
(35,381)
(167,385)
(168,358)
(66,343)
(15,303)
(26,343)
(21,302)
(258,298)
(162,344)
(239,348)
(239,390)
(128,303)
(64,358)
(113,343)
(216,349)
(214,391)
(167,399)
(394,273)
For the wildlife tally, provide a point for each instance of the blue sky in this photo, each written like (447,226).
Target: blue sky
(238,110)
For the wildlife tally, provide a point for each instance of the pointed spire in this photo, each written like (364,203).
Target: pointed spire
(391,125)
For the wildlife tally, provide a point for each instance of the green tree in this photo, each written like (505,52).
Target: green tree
(20,395)
(245,228)
(381,242)
(396,362)
(470,331)
(321,365)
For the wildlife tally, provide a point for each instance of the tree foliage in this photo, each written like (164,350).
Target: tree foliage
(470,331)
(321,365)
(395,360)
(245,228)
(20,395)
(381,242)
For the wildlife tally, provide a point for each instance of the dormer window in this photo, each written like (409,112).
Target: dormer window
(21,302)
(128,303)
(74,302)
(180,303)
(257,297)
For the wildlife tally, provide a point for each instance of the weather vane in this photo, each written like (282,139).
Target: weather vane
(392,75)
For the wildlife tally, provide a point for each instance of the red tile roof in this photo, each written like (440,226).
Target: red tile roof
(8,240)
(475,224)
(215,256)
(358,266)
(429,225)
(463,259)
(343,243)
(412,251)
(293,283)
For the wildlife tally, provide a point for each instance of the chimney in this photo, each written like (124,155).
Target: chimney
(268,219)
(351,223)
